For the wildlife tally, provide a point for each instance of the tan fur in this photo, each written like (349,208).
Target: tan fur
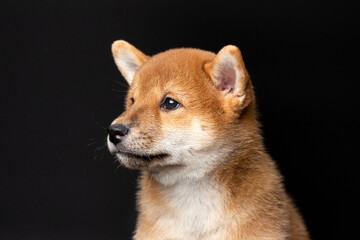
(219,182)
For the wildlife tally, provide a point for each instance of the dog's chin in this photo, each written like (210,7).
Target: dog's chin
(141,161)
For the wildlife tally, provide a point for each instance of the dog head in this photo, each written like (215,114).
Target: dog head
(184,109)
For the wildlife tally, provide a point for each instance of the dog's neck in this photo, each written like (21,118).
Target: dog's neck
(194,206)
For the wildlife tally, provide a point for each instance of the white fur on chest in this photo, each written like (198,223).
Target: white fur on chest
(197,211)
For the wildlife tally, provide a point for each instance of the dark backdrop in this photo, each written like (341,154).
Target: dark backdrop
(60,89)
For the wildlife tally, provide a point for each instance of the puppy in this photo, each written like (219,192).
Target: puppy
(190,127)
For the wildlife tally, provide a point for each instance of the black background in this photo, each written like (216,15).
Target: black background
(60,89)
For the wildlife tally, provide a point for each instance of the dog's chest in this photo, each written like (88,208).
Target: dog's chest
(195,211)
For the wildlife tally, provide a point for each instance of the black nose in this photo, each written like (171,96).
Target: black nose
(116,131)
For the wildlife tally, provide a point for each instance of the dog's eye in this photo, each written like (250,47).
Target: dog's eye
(132,100)
(170,104)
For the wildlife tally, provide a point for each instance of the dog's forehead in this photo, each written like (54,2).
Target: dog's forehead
(173,68)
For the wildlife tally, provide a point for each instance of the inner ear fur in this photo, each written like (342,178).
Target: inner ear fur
(228,74)
(127,58)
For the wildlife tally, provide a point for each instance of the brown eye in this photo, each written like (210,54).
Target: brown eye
(170,104)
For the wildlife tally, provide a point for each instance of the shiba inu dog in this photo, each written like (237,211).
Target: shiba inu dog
(190,126)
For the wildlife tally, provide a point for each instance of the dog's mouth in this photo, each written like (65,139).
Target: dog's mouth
(144,157)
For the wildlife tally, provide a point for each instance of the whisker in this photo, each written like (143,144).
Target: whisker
(120,83)
(100,148)
(90,144)
(100,126)
(117,168)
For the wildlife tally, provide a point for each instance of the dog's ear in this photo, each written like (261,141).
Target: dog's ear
(228,73)
(127,58)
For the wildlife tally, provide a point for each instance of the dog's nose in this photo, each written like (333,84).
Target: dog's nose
(116,131)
